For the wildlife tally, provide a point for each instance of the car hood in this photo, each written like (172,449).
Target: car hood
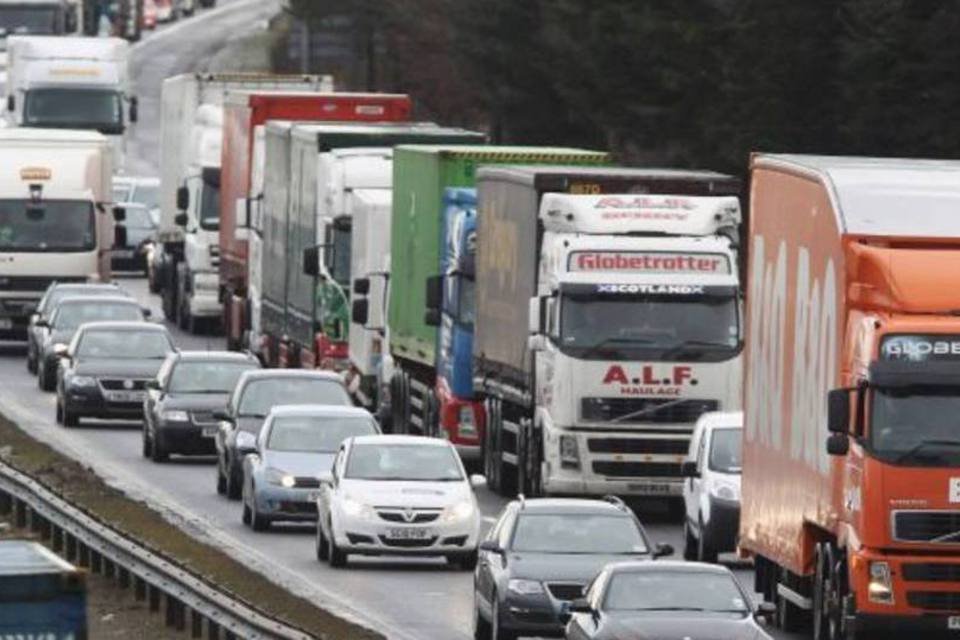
(250,424)
(563,567)
(309,465)
(406,494)
(120,368)
(681,625)
(196,401)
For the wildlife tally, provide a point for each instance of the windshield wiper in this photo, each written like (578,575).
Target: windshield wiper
(596,348)
(647,410)
(924,444)
(251,415)
(674,609)
(682,347)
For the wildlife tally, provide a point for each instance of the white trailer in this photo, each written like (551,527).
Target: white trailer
(56,221)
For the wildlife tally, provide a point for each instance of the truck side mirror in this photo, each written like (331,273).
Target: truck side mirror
(180,219)
(119,236)
(535,316)
(360,312)
(311,261)
(361,286)
(838,411)
(134,109)
(431,317)
(119,214)
(434,293)
(838,444)
(183,199)
(11,103)
(689,469)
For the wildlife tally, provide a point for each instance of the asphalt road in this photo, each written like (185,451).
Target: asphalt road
(408,600)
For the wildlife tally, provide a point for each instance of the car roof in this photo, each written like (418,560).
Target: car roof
(669,565)
(266,374)
(558,506)
(721,419)
(79,286)
(317,410)
(97,299)
(124,326)
(214,356)
(398,439)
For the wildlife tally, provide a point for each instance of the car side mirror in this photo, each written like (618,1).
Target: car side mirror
(153,385)
(119,214)
(311,261)
(147,312)
(183,200)
(222,415)
(766,611)
(838,411)
(477,481)
(689,469)
(360,311)
(662,550)
(580,605)
(838,444)
(434,292)
(490,546)
(11,103)
(431,317)
(246,443)
(134,109)
(41,322)
(61,350)
(180,220)
(361,286)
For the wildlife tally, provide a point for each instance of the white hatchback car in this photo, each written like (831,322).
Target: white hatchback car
(398,495)
(711,490)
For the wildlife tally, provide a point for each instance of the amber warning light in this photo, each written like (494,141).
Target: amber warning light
(36,173)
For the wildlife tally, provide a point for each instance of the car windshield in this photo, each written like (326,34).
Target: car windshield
(124,345)
(403,462)
(70,315)
(121,193)
(260,396)
(99,109)
(578,533)
(317,434)
(671,328)
(147,194)
(674,590)
(51,225)
(22,20)
(205,376)
(59,293)
(726,450)
(916,425)
(210,200)
(139,218)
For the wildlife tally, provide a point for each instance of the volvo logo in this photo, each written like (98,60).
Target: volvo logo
(128,384)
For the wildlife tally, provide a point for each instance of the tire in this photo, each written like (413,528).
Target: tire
(245,517)
(59,412)
(828,594)
(490,469)
(338,558)
(31,361)
(431,416)
(689,542)
(481,626)
(496,632)
(401,405)
(70,419)
(506,483)
(158,452)
(705,549)
(464,561)
(221,481)
(257,521)
(147,449)
(529,479)
(234,486)
(323,546)
(47,380)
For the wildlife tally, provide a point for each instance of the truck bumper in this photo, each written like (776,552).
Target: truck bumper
(936,625)
(923,592)
(648,487)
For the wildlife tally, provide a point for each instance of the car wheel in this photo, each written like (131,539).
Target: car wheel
(337,558)
(464,561)
(496,631)
(257,522)
(689,542)
(705,550)
(146,444)
(323,547)
(31,361)
(70,419)
(46,380)
(158,452)
(481,627)
(246,514)
(234,486)
(221,481)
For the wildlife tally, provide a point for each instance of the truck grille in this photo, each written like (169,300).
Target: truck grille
(31,283)
(927,526)
(636,469)
(655,410)
(934,600)
(930,572)
(638,445)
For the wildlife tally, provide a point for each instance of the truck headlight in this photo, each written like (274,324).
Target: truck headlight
(880,589)
(569,452)
(525,587)
(459,511)
(467,427)
(175,415)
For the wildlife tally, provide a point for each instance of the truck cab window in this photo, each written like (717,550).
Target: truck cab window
(916,426)
(209,213)
(53,225)
(72,108)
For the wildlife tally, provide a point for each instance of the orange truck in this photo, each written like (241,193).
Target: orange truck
(851,467)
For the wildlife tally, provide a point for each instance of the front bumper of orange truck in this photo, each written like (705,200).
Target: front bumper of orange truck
(918,592)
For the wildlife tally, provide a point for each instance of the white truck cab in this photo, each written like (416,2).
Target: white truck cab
(71,83)
(711,489)
(637,331)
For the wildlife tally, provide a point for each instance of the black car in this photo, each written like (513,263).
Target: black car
(51,297)
(69,315)
(180,403)
(104,371)
(666,601)
(255,394)
(542,553)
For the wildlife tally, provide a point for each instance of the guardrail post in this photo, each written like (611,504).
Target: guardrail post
(96,561)
(71,548)
(6,503)
(123,578)
(153,595)
(175,613)
(213,630)
(139,589)
(196,624)
(84,556)
(19,514)
(57,539)
(109,568)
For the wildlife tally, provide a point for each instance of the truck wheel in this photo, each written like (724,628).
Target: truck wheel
(431,416)
(490,449)
(705,550)
(506,476)
(401,404)
(828,594)
(529,455)
(689,542)
(789,615)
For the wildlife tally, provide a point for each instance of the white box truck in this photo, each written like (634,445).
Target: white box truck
(71,83)
(191,138)
(56,219)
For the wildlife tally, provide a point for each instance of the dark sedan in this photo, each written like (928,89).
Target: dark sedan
(666,601)
(51,298)
(541,554)
(69,315)
(104,371)
(256,393)
(180,403)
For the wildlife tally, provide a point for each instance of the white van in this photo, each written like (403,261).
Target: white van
(711,488)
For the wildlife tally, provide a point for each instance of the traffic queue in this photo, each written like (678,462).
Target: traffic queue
(404,304)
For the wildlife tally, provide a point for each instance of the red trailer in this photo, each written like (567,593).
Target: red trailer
(242,172)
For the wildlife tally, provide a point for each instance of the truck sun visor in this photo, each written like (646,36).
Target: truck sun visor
(644,290)
(905,373)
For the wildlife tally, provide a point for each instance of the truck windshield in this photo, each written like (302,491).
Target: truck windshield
(916,426)
(52,225)
(23,20)
(663,328)
(52,108)
(210,200)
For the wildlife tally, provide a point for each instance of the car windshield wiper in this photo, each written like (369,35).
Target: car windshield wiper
(648,410)
(251,415)
(923,445)
(683,347)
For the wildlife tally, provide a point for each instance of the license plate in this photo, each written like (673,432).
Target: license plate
(408,534)
(6,324)
(953,623)
(125,396)
(209,432)
(650,489)
(123,253)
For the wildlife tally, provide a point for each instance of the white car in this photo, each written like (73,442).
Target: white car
(398,495)
(711,489)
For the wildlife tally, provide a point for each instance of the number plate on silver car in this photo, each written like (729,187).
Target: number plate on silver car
(408,534)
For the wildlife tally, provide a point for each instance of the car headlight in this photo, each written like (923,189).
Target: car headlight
(880,589)
(280,478)
(569,452)
(82,381)
(468,426)
(175,415)
(459,511)
(723,491)
(525,587)
(356,509)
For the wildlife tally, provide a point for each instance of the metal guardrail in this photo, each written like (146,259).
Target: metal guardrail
(186,600)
